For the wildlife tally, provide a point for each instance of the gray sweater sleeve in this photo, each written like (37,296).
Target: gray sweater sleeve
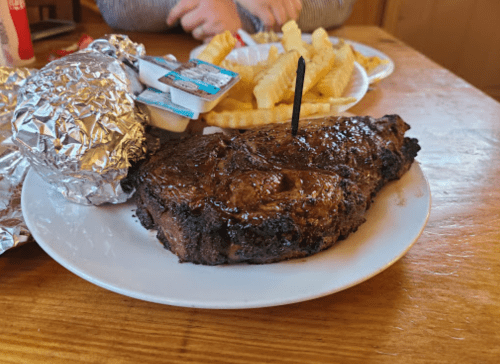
(324,13)
(133,15)
(151,15)
(314,14)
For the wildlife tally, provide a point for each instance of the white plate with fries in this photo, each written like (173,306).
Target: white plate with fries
(107,246)
(356,88)
(376,63)
(236,111)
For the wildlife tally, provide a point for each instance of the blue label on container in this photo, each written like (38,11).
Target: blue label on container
(201,79)
(155,97)
(184,82)
(164,62)
(221,70)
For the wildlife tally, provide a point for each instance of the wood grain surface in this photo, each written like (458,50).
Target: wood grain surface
(440,303)
(463,36)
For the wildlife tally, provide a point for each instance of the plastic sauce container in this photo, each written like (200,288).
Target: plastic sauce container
(153,68)
(198,85)
(163,112)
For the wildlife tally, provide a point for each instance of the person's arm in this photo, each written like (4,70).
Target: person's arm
(151,15)
(323,13)
(205,18)
(313,14)
(134,15)
(273,13)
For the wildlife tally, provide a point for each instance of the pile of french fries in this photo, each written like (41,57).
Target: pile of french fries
(367,62)
(266,90)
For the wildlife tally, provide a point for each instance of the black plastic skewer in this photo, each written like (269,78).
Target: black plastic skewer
(297,100)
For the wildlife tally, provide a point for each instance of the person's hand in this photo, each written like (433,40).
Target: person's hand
(205,18)
(273,13)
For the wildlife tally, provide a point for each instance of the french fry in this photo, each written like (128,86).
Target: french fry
(242,91)
(272,58)
(273,55)
(336,80)
(311,96)
(310,50)
(218,48)
(320,40)
(317,68)
(292,39)
(252,118)
(272,86)
(230,104)
(338,101)
(246,72)
(335,102)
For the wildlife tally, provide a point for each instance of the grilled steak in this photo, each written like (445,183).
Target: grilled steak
(264,195)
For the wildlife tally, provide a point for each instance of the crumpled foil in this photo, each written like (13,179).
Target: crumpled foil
(75,123)
(126,51)
(13,166)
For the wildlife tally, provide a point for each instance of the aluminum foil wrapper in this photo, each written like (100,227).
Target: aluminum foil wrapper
(13,166)
(126,51)
(77,124)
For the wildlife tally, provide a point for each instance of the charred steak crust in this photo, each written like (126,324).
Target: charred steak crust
(265,196)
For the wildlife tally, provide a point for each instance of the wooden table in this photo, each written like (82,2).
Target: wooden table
(440,303)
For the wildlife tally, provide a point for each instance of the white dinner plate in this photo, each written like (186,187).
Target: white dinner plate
(107,245)
(376,74)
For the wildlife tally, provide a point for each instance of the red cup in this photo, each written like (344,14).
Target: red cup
(15,34)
